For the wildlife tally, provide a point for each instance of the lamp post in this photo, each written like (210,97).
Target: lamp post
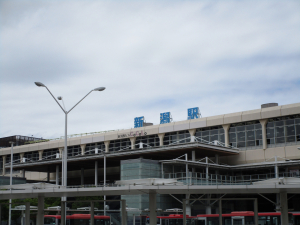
(65,153)
(10,180)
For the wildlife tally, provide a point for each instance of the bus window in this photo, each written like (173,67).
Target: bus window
(227,221)
(276,220)
(213,221)
(49,220)
(264,220)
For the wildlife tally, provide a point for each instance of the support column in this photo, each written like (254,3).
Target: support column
(264,132)
(152,208)
(123,212)
(132,140)
(276,168)
(82,176)
(106,143)
(57,175)
(21,157)
(48,176)
(284,208)
(208,206)
(255,212)
(217,161)
(40,211)
(60,152)
(63,213)
(96,173)
(27,213)
(220,212)
(92,214)
(226,132)
(4,162)
(41,154)
(82,149)
(161,139)
(184,212)
(23,173)
(193,159)
(192,133)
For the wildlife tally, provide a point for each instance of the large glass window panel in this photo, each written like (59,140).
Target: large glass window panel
(298,137)
(241,128)
(222,138)
(232,137)
(258,126)
(214,137)
(221,131)
(205,133)
(241,136)
(270,124)
(250,135)
(270,141)
(250,127)
(213,132)
(280,140)
(279,123)
(250,143)
(206,138)
(270,132)
(291,139)
(231,129)
(297,129)
(241,144)
(290,130)
(258,134)
(297,121)
(290,122)
(279,131)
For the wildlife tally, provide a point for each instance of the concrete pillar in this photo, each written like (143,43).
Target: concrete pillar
(96,173)
(21,157)
(27,213)
(226,132)
(184,212)
(63,213)
(276,168)
(48,176)
(132,140)
(220,212)
(284,208)
(82,176)
(23,175)
(255,212)
(264,132)
(40,211)
(152,208)
(192,133)
(82,149)
(123,212)
(161,139)
(57,175)
(92,214)
(4,162)
(106,143)
(217,161)
(193,159)
(60,152)
(208,206)
(41,154)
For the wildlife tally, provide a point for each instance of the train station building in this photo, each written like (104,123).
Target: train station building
(250,148)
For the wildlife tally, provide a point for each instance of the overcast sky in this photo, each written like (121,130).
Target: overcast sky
(152,57)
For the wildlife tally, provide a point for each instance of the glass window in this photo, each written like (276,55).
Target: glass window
(241,136)
(279,132)
(250,135)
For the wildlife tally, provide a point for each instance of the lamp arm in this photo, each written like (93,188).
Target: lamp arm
(79,101)
(55,100)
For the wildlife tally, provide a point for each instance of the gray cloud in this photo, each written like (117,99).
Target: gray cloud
(152,56)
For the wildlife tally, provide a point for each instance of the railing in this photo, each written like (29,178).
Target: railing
(214,179)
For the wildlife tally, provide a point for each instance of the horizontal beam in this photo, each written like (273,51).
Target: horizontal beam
(143,189)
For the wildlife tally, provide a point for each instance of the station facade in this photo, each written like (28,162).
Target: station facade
(238,148)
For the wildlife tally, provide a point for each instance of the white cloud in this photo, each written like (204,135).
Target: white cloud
(152,57)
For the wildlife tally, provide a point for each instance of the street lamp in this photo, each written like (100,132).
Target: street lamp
(65,153)
(10,180)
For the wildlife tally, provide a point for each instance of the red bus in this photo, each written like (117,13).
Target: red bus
(296,216)
(172,219)
(76,219)
(243,218)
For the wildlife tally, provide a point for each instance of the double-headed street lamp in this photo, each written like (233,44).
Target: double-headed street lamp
(65,152)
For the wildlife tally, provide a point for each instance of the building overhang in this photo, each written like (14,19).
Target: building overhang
(157,153)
